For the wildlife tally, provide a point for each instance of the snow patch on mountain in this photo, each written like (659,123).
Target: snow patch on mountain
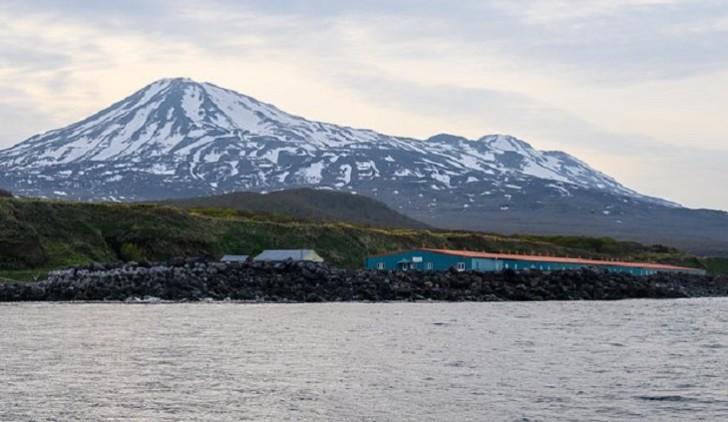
(312,173)
(184,135)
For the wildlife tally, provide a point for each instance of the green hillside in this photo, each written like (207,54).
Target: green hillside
(314,204)
(37,235)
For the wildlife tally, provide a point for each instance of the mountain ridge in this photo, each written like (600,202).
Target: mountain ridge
(137,127)
(177,138)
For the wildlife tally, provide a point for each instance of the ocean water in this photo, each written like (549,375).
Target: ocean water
(556,361)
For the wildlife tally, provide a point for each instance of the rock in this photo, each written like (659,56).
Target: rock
(197,279)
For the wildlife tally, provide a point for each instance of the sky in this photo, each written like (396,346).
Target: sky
(636,88)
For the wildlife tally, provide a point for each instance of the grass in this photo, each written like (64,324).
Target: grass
(36,236)
(715,265)
(23,276)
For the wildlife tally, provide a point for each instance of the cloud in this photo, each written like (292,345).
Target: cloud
(690,176)
(548,12)
(631,86)
(638,161)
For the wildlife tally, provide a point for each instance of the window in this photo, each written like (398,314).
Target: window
(460,266)
(380,265)
(428,265)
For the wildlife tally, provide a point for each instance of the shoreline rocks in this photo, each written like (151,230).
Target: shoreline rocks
(194,279)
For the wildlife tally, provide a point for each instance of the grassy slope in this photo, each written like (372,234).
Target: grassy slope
(307,203)
(39,235)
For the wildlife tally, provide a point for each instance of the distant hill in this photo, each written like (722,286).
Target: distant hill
(312,204)
(38,235)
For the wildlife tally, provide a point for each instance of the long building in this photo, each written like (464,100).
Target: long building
(424,259)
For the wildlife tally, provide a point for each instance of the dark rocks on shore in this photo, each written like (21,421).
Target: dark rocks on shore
(195,279)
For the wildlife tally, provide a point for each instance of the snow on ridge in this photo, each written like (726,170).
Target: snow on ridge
(541,172)
(273,154)
(442,178)
(161,169)
(191,103)
(506,143)
(236,114)
(117,110)
(367,168)
(152,90)
(212,157)
(346,170)
(245,112)
(312,173)
(208,119)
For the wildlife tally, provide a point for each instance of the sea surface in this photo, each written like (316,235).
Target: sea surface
(641,360)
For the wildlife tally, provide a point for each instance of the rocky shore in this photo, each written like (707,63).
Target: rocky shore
(198,279)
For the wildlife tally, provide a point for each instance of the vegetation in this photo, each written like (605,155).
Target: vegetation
(32,275)
(37,235)
(305,203)
(5,193)
(715,265)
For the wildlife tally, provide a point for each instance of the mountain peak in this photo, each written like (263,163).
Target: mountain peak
(182,79)
(507,143)
(174,81)
(446,138)
(177,135)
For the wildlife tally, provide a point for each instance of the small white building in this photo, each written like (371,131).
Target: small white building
(280,255)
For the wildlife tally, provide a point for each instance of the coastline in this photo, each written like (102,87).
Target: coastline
(195,279)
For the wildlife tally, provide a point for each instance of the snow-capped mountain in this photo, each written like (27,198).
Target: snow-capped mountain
(179,138)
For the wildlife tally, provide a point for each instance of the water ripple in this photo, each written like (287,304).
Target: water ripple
(575,361)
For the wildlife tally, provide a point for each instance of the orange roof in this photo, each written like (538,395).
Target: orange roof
(536,258)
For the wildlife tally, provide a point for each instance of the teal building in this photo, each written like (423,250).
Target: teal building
(424,259)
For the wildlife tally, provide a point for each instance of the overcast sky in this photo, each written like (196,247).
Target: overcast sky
(636,88)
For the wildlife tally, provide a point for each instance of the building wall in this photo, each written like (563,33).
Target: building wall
(280,255)
(522,264)
(417,260)
(484,264)
(431,261)
(313,256)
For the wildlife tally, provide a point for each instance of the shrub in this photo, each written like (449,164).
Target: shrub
(131,252)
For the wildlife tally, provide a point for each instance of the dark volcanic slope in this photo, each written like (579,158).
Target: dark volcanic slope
(308,203)
(594,214)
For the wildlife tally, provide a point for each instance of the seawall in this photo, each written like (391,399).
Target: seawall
(197,279)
